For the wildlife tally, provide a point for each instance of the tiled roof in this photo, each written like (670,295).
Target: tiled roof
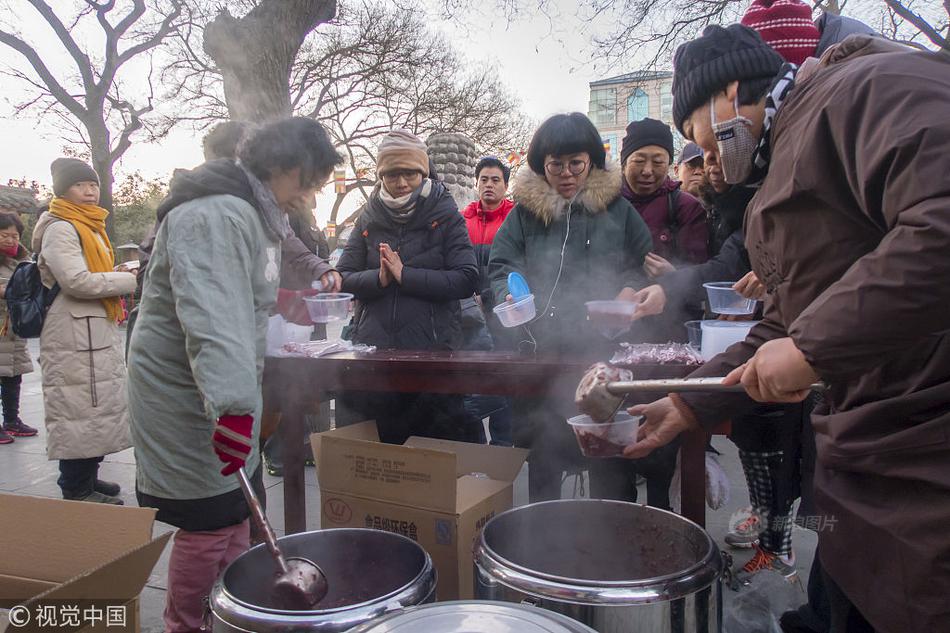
(17,199)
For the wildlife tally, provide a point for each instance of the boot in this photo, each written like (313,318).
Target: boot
(98,497)
(16,428)
(107,488)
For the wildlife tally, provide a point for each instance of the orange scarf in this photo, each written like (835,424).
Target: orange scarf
(89,221)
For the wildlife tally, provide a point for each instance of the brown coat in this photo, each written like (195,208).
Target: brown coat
(851,234)
(81,350)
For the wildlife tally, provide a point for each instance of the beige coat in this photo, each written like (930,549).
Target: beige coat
(14,357)
(81,351)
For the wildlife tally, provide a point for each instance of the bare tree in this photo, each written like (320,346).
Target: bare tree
(938,32)
(88,98)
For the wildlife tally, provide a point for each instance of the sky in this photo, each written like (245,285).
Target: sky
(543,61)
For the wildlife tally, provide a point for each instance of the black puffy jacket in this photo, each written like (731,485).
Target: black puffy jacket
(439,269)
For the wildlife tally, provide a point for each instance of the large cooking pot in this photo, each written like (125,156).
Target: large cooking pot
(474,616)
(370,573)
(617,567)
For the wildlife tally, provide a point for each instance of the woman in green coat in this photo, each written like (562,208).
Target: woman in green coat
(575,239)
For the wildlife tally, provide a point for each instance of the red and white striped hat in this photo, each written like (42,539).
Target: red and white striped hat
(786,26)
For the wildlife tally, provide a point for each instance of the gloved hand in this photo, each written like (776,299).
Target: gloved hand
(290,305)
(232,441)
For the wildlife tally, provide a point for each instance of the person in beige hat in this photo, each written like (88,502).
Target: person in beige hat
(408,262)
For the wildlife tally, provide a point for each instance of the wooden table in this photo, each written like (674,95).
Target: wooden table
(302,381)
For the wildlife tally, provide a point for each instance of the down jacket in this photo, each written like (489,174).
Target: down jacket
(14,355)
(81,350)
(439,270)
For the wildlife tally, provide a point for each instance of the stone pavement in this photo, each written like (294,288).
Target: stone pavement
(25,470)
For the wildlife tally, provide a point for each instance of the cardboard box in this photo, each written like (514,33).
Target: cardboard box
(83,564)
(437,492)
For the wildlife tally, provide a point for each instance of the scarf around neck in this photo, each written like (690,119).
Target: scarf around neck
(784,83)
(275,220)
(401,209)
(89,221)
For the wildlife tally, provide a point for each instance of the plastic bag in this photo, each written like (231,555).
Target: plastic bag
(757,607)
(316,349)
(717,484)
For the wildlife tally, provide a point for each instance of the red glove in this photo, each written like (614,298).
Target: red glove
(232,441)
(290,305)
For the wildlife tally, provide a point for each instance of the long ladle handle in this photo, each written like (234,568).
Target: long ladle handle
(677,385)
(259,517)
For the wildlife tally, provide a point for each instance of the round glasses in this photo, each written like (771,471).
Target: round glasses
(556,167)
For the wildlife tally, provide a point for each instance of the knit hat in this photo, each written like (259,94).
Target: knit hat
(68,171)
(714,60)
(401,150)
(646,132)
(786,26)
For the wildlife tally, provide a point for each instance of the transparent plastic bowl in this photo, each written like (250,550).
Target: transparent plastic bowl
(329,307)
(724,300)
(515,313)
(695,331)
(607,439)
(611,318)
(718,336)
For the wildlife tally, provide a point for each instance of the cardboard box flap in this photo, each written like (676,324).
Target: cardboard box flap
(474,490)
(118,580)
(15,590)
(362,431)
(498,462)
(388,472)
(75,536)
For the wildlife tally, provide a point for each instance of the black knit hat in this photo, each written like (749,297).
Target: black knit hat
(646,132)
(711,62)
(68,171)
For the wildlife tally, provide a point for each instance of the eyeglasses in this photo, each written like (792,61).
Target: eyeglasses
(556,167)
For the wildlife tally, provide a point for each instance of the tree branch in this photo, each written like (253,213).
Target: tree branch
(922,25)
(51,83)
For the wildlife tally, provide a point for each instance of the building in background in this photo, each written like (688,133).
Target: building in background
(617,101)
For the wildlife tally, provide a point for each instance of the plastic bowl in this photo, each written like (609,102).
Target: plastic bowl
(329,307)
(515,313)
(607,439)
(611,318)
(718,336)
(695,331)
(724,300)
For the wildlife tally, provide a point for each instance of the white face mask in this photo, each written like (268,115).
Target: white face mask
(736,144)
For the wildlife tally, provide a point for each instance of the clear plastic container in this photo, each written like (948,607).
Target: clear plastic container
(719,335)
(607,439)
(611,318)
(695,331)
(724,300)
(329,307)
(515,313)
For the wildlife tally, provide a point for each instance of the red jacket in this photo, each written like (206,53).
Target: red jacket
(482,227)
(689,243)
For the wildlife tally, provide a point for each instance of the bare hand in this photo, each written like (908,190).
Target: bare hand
(656,266)
(384,276)
(662,423)
(332,281)
(777,373)
(652,300)
(390,259)
(750,287)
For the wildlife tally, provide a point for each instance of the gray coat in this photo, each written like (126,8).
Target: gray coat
(197,351)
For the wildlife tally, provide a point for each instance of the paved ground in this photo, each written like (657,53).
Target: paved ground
(24,469)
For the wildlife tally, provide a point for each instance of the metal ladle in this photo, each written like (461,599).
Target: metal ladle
(600,398)
(300,583)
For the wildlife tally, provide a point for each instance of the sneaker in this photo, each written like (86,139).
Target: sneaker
(18,429)
(5,438)
(766,560)
(745,533)
(107,488)
(98,497)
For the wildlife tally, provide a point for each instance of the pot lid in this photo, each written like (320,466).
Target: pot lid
(474,616)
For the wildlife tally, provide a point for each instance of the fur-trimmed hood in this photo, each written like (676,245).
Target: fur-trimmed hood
(534,193)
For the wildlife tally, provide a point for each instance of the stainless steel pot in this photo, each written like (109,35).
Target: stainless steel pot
(616,567)
(370,573)
(475,616)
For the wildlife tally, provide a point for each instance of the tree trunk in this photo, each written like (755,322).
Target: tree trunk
(101,154)
(255,53)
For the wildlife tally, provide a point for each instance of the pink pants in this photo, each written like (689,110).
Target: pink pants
(197,559)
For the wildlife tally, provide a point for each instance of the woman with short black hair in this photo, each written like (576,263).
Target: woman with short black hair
(197,351)
(575,239)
